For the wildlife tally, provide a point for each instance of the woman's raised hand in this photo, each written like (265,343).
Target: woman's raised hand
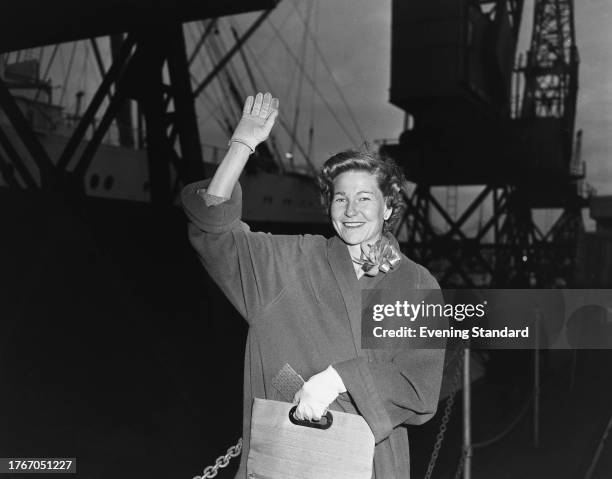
(258,116)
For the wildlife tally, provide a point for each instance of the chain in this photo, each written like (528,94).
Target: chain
(222,461)
(461,464)
(235,450)
(444,423)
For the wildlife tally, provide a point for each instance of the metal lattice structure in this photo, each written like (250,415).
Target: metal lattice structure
(551,69)
(551,89)
(149,67)
(500,148)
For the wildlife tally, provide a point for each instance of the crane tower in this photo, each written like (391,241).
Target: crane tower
(485,119)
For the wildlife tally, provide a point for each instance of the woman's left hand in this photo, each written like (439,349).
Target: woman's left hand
(317,394)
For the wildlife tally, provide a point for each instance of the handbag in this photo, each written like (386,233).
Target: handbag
(338,446)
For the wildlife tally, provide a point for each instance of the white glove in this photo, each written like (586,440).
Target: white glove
(258,116)
(317,394)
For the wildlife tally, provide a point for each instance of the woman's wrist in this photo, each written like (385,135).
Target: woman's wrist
(239,147)
(250,145)
(339,384)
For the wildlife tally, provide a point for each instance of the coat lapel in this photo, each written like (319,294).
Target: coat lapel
(342,267)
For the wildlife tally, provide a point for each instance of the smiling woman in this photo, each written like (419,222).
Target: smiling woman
(363,195)
(301,295)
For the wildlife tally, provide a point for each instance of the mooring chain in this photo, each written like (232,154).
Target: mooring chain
(450,400)
(461,464)
(222,461)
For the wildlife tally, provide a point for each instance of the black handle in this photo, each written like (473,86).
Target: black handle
(324,423)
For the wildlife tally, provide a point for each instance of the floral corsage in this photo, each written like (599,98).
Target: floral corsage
(384,255)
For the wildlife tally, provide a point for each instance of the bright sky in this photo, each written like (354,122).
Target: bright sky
(594,38)
(354,36)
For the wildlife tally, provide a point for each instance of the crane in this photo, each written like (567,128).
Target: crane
(487,119)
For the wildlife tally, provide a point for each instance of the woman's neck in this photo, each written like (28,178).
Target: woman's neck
(354,250)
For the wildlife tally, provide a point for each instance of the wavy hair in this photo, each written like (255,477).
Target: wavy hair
(389,176)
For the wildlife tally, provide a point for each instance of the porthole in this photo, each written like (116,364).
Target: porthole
(94,181)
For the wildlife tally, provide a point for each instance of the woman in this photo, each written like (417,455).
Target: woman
(301,295)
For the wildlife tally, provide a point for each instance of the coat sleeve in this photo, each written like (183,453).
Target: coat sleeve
(251,268)
(402,390)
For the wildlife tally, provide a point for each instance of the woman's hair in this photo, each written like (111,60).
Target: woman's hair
(389,176)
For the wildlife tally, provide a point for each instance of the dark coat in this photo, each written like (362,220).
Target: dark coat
(302,301)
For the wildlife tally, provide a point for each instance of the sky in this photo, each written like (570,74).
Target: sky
(594,39)
(354,36)
(355,39)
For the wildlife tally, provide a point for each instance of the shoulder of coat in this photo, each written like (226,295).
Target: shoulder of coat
(418,273)
(313,242)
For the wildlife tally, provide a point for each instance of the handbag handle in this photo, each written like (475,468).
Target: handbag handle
(319,424)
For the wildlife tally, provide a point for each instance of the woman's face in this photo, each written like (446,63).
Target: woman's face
(358,208)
